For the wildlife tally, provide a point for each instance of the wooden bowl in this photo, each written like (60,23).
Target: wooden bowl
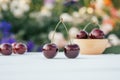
(91,46)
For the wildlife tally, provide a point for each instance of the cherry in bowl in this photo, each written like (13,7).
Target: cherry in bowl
(82,35)
(96,34)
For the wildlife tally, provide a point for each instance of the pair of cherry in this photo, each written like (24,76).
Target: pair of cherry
(94,34)
(50,50)
(17,48)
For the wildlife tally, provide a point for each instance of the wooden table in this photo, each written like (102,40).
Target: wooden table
(34,66)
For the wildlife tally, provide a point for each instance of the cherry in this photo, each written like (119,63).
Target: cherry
(96,34)
(50,50)
(6,49)
(71,50)
(82,35)
(19,48)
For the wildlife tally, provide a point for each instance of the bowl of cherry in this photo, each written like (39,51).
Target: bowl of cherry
(92,43)
(16,48)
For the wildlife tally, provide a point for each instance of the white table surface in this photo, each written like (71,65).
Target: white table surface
(34,66)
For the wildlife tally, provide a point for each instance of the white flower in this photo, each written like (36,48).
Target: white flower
(82,10)
(73,32)
(18,13)
(4,6)
(58,39)
(114,39)
(66,17)
(99,4)
(90,10)
(94,19)
(49,6)
(57,36)
(106,28)
(19,7)
(50,35)
(14,5)
(45,12)
(76,14)
(24,6)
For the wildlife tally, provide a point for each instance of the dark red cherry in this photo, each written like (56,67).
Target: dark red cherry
(20,48)
(82,35)
(96,34)
(50,50)
(71,50)
(6,49)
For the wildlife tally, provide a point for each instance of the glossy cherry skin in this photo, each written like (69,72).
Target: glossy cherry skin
(6,49)
(96,34)
(20,48)
(50,50)
(71,50)
(82,35)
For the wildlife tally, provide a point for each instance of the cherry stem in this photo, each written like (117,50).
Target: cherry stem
(89,24)
(55,31)
(61,19)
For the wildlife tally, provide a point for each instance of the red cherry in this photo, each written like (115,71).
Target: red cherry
(6,49)
(96,34)
(50,50)
(20,48)
(82,35)
(71,50)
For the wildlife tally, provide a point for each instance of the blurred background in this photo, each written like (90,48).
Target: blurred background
(33,21)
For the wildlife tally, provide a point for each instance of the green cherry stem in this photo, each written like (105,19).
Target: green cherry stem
(89,24)
(61,19)
(55,31)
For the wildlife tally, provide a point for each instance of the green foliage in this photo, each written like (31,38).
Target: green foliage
(36,5)
(112,50)
(116,3)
